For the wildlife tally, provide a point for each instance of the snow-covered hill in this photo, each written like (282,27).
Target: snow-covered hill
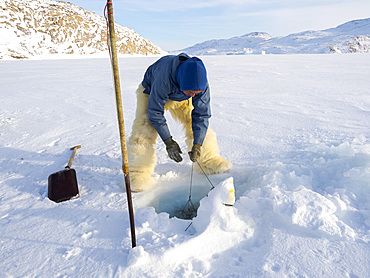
(350,37)
(45,27)
(246,44)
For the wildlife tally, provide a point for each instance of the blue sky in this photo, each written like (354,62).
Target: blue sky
(174,25)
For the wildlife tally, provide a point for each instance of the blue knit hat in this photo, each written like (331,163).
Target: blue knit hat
(192,75)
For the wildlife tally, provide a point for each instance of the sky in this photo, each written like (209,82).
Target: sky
(175,25)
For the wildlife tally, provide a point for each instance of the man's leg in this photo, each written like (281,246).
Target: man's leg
(141,151)
(210,159)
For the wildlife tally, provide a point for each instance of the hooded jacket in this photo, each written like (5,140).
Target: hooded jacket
(161,84)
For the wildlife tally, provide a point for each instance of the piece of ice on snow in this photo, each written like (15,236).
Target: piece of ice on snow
(213,211)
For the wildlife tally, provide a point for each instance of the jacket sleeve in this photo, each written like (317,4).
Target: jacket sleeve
(200,115)
(156,112)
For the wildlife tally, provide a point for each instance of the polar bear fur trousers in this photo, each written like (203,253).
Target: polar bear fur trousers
(141,144)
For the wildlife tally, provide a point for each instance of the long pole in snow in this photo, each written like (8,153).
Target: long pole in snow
(117,89)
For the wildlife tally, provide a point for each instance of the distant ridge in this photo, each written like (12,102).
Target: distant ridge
(350,37)
(35,28)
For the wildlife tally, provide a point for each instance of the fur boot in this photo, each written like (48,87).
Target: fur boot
(140,148)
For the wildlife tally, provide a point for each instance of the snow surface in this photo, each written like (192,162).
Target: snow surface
(296,128)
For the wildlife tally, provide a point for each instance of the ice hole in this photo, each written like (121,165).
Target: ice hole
(175,201)
(172,196)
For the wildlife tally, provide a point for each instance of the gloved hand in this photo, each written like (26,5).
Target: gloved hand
(195,152)
(173,150)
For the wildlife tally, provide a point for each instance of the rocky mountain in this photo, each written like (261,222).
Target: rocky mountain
(350,37)
(30,28)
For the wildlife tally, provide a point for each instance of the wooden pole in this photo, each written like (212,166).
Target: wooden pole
(117,89)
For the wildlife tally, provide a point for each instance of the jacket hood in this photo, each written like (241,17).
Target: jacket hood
(192,75)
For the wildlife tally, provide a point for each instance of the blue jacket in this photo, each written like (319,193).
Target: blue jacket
(161,85)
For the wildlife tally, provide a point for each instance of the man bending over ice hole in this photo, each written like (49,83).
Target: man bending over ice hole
(178,84)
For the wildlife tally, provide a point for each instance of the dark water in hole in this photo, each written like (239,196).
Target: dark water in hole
(175,202)
(189,211)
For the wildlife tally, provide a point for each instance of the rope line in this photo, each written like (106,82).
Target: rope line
(191,179)
(106,19)
(205,175)
(189,208)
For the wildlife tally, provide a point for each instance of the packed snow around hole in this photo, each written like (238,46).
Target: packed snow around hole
(296,128)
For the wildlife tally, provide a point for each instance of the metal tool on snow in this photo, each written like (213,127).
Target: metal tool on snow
(62,185)
(117,89)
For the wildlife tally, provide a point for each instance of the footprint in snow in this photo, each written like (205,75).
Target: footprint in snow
(72,253)
(87,236)
(237,262)
(53,143)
